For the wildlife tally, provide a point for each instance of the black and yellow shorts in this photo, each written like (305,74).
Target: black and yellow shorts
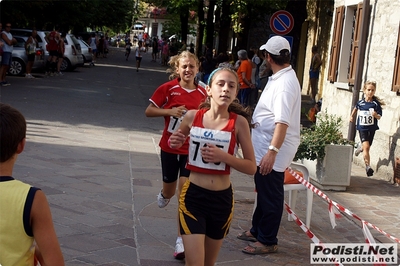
(206,212)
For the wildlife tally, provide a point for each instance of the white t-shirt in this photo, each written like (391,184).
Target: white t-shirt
(280,102)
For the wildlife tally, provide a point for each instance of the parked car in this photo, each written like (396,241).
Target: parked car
(86,51)
(72,56)
(40,37)
(20,58)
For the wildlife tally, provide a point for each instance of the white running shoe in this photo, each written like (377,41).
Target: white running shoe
(161,201)
(179,253)
(358,151)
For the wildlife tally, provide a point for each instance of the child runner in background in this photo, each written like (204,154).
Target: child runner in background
(128,46)
(370,111)
(138,53)
(216,131)
(172,100)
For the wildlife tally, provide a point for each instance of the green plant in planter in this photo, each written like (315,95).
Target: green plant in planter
(314,139)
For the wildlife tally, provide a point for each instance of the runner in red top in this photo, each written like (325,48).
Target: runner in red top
(172,100)
(52,48)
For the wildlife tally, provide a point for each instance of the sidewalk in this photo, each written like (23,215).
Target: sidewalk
(102,183)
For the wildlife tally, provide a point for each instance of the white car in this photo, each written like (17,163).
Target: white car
(86,51)
(72,56)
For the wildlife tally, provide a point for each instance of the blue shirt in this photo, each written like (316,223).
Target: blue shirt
(365,120)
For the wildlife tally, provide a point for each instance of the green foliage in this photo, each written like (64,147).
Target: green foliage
(313,140)
(68,15)
(254,9)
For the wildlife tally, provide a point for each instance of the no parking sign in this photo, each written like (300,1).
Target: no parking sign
(281,22)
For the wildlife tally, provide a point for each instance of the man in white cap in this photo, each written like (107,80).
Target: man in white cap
(277,134)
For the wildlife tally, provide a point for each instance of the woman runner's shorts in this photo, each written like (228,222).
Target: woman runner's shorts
(172,165)
(206,212)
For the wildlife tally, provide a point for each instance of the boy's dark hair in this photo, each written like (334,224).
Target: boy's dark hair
(12,131)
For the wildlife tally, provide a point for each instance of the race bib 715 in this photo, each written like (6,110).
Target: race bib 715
(200,137)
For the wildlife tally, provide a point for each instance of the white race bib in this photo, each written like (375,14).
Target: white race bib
(365,118)
(174,123)
(200,137)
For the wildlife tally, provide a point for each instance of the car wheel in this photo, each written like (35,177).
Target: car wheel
(65,65)
(17,67)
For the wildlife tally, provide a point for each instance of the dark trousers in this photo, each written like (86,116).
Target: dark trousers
(243,96)
(268,213)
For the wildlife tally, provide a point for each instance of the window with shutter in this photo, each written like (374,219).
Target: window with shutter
(355,44)
(336,42)
(396,71)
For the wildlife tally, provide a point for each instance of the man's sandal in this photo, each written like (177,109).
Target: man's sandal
(257,250)
(244,236)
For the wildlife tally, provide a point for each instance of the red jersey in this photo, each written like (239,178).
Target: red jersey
(53,44)
(170,95)
(224,139)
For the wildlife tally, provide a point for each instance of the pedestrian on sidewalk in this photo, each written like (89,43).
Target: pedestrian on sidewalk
(52,48)
(8,45)
(172,100)
(277,137)
(30,47)
(370,111)
(128,46)
(26,226)
(314,72)
(216,131)
(61,51)
(154,51)
(93,45)
(138,53)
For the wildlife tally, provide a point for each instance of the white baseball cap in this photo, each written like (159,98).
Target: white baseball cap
(275,45)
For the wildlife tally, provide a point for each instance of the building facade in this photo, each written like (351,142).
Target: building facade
(363,44)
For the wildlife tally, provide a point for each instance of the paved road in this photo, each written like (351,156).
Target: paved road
(94,153)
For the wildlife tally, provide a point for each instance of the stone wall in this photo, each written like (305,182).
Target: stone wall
(378,66)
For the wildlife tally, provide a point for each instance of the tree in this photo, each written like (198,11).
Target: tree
(75,15)
(224,22)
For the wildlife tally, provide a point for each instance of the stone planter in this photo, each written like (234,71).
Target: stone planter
(333,172)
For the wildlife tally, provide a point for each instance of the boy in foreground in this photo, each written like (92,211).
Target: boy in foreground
(25,218)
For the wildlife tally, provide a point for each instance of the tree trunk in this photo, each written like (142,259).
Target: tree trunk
(224,27)
(242,37)
(299,12)
(184,16)
(210,25)
(200,29)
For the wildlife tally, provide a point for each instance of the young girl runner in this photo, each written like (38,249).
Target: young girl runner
(138,53)
(171,100)
(370,111)
(206,200)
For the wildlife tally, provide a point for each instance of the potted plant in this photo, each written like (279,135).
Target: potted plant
(326,153)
